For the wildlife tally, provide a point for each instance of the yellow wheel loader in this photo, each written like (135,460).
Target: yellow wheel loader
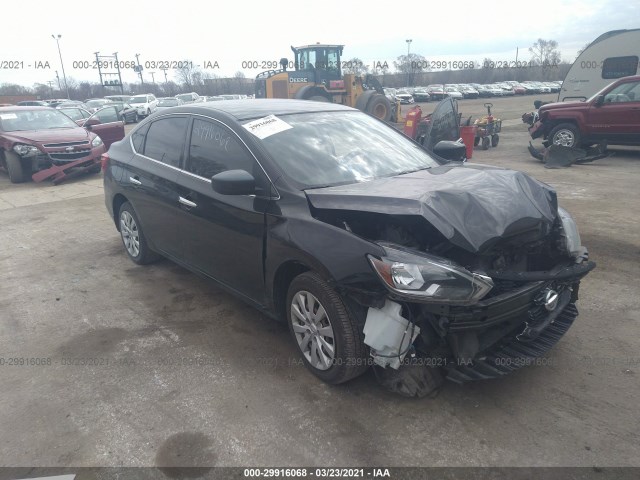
(317,75)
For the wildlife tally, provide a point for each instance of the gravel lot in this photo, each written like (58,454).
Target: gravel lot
(141,366)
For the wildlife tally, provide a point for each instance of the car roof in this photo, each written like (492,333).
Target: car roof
(246,109)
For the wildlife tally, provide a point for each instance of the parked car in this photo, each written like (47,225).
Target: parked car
(192,97)
(168,102)
(453,93)
(77,114)
(437,92)
(106,123)
(118,98)
(390,93)
(127,113)
(404,97)
(469,92)
(611,115)
(35,138)
(211,98)
(484,91)
(144,104)
(72,103)
(421,95)
(95,104)
(368,246)
(32,103)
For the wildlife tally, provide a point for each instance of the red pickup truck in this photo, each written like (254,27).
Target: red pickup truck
(611,115)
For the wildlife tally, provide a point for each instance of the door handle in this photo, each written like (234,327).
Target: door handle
(135,181)
(187,203)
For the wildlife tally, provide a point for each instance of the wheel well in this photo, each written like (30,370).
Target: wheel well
(118,200)
(555,123)
(281,281)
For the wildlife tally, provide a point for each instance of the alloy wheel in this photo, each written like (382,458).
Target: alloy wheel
(313,330)
(130,233)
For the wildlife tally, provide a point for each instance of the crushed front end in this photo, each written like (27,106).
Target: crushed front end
(504,309)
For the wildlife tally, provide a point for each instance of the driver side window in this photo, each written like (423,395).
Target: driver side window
(627,92)
(107,115)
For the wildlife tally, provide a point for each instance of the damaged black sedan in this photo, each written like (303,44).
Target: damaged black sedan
(374,250)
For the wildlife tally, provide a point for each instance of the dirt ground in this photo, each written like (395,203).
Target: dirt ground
(138,366)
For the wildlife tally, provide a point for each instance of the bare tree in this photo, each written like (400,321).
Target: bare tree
(410,65)
(545,52)
(190,75)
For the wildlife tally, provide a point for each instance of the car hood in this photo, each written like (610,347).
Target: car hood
(559,105)
(53,135)
(473,206)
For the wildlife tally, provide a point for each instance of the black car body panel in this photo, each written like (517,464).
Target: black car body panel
(499,222)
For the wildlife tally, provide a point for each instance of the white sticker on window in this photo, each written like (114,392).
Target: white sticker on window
(267,126)
(8,116)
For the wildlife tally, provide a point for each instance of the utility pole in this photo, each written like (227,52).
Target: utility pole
(139,69)
(57,39)
(153,79)
(58,77)
(409,40)
(50,83)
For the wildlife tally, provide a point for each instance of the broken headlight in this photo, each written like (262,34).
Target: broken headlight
(25,150)
(428,278)
(570,235)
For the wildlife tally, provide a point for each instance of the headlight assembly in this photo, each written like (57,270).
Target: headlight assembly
(427,278)
(26,150)
(570,235)
(96,142)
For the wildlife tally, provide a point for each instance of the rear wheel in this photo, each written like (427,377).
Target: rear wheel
(485,143)
(133,239)
(565,135)
(494,140)
(380,107)
(14,167)
(327,336)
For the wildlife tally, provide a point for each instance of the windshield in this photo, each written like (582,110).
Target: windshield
(72,113)
(172,102)
(138,100)
(184,98)
(23,120)
(338,148)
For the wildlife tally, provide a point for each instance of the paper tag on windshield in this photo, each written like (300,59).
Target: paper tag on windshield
(8,116)
(267,126)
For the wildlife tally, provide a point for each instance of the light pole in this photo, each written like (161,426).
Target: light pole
(409,69)
(57,39)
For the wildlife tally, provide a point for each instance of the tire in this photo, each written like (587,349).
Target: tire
(476,141)
(14,167)
(136,118)
(565,134)
(133,239)
(331,346)
(380,107)
(495,139)
(148,112)
(318,98)
(485,143)
(95,169)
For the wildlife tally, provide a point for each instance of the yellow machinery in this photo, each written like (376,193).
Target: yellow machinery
(317,75)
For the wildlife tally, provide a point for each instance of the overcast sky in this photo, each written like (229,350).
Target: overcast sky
(231,32)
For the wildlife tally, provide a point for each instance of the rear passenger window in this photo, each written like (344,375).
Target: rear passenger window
(214,149)
(618,67)
(165,140)
(138,137)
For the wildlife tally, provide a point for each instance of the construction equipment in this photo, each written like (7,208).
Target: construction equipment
(317,76)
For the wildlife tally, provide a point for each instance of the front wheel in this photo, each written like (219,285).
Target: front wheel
(14,167)
(327,336)
(380,107)
(133,239)
(565,135)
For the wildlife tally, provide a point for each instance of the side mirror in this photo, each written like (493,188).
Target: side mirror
(599,100)
(234,182)
(91,122)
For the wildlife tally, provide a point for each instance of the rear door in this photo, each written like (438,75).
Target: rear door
(149,180)
(111,128)
(223,235)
